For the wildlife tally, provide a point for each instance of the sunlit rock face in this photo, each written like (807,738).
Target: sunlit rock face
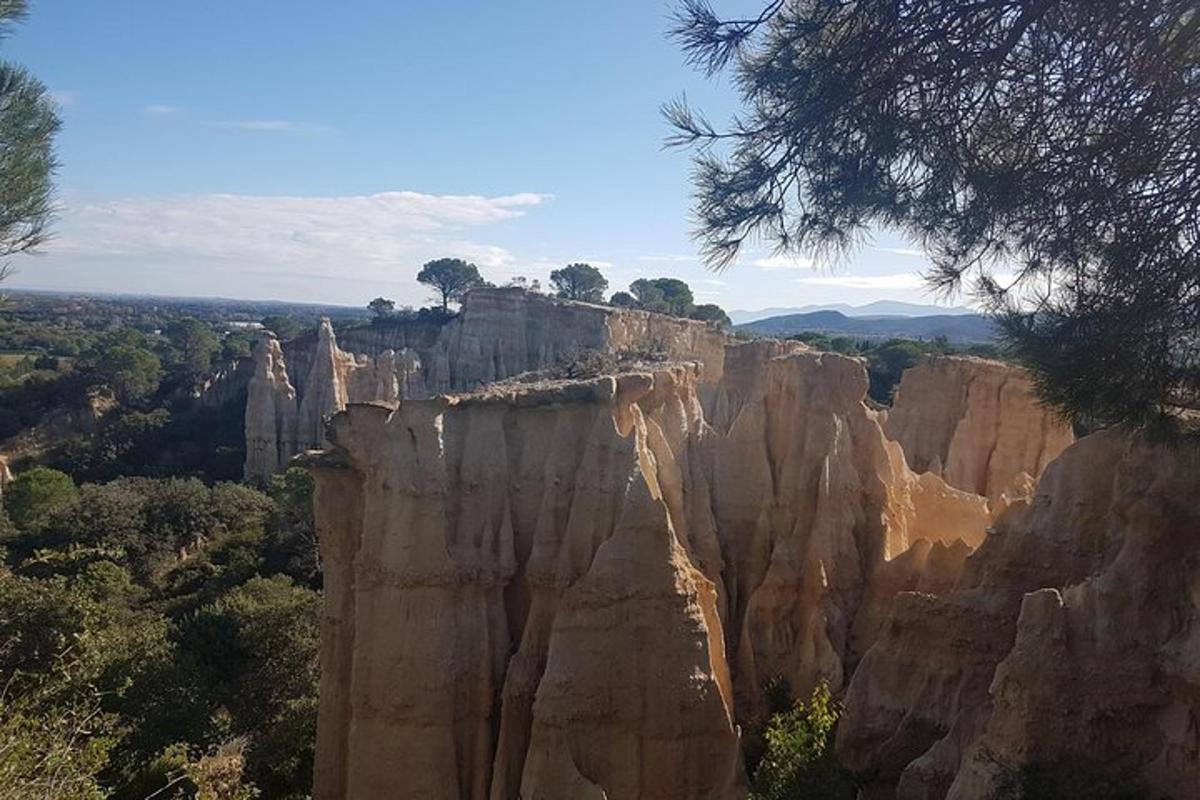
(500,333)
(578,589)
(280,423)
(552,589)
(975,422)
(271,413)
(1072,637)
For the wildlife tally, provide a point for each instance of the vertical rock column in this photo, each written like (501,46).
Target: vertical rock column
(271,420)
(325,388)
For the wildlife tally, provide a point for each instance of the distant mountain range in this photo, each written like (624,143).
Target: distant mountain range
(968,328)
(880,308)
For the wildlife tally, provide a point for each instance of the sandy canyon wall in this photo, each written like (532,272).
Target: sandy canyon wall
(1072,637)
(500,333)
(579,589)
(582,588)
(975,422)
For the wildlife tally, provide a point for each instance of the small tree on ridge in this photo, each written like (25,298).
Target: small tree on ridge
(579,282)
(451,278)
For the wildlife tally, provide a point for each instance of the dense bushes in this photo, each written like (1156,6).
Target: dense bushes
(157,636)
(102,389)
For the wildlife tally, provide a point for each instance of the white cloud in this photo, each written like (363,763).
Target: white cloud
(63,97)
(270,125)
(902,251)
(901,280)
(160,110)
(369,235)
(712,281)
(669,258)
(783,261)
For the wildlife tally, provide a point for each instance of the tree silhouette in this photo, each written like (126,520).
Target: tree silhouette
(1042,152)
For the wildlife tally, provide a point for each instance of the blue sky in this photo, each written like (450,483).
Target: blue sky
(301,151)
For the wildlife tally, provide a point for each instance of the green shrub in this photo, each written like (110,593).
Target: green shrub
(799,760)
(35,494)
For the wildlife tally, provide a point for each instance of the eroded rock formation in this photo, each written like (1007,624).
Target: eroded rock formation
(581,588)
(271,414)
(975,422)
(280,422)
(1072,637)
(500,333)
(578,589)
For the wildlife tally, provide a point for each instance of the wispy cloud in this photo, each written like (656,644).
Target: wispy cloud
(270,125)
(782,261)
(679,258)
(370,235)
(902,251)
(901,280)
(160,110)
(63,97)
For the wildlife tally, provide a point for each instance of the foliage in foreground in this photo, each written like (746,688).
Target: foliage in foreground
(28,124)
(157,638)
(1042,154)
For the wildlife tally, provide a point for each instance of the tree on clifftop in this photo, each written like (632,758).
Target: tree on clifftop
(452,278)
(623,300)
(1042,152)
(579,282)
(664,295)
(28,122)
(710,312)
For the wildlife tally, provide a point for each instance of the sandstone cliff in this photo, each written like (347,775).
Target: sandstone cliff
(526,564)
(581,588)
(499,333)
(281,422)
(1073,637)
(578,589)
(975,422)
(271,414)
